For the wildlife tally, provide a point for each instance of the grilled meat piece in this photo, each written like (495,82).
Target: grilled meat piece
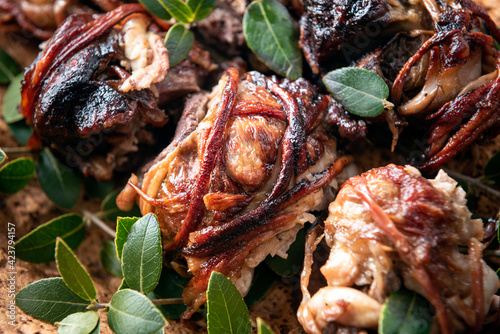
(390,227)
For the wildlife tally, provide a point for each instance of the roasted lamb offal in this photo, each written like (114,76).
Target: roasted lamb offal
(247,164)
(389,228)
(91,92)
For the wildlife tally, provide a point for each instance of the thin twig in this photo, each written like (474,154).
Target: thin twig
(97,306)
(17,150)
(98,222)
(474,182)
(168,301)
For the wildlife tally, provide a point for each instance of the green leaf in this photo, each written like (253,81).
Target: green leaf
(112,212)
(405,312)
(271,34)
(201,8)
(97,329)
(156,8)
(97,189)
(263,328)
(132,312)
(178,42)
(21,131)
(78,323)
(15,175)
(178,9)
(171,285)
(142,255)
(73,273)
(11,101)
(123,226)
(492,169)
(361,92)
(50,300)
(263,281)
(2,156)
(8,68)
(123,286)
(293,263)
(38,245)
(60,183)
(227,312)
(109,259)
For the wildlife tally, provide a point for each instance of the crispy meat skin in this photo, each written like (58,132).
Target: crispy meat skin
(247,163)
(390,225)
(77,88)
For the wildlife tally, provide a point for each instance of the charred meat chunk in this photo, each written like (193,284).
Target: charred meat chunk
(391,227)
(247,164)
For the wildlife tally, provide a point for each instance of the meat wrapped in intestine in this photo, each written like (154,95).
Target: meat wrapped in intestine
(247,164)
(391,227)
(94,85)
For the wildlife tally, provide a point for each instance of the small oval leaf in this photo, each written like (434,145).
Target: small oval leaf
(171,285)
(21,131)
(50,300)
(293,263)
(97,189)
(59,182)
(272,35)
(201,8)
(109,259)
(405,312)
(178,42)
(142,255)
(156,8)
(3,156)
(73,273)
(38,245)
(226,310)
(11,101)
(361,92)
(78,323)
(111,212)
(132,312)
(8,68)
(178,9)
(123,226)
(263,328)
(15,175)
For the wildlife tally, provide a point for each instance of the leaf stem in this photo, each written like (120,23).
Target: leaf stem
(17,150)
(98,222)
(168,301)
(474,182)
(97,306)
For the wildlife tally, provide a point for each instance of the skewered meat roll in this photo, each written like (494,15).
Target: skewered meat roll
(391,227)
(247,164)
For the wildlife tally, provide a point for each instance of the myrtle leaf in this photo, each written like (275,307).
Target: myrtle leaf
(263,281)
(73,273)
(142,255)
(97,189)
(123,226)
(272,35)
(15,175)
(226,310)
(201,8)
(8,68)
(38,245)
(361,92)
(3,156)
(156,8)
(405,312)
(109,259)
(263,328)
(132,312)
(97,329)
(178,9)
(59,182)
(78,323)
(171,285)
(293,263)
(50,300)
(20,131)
(178,42)
(11,101)
(112,212)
